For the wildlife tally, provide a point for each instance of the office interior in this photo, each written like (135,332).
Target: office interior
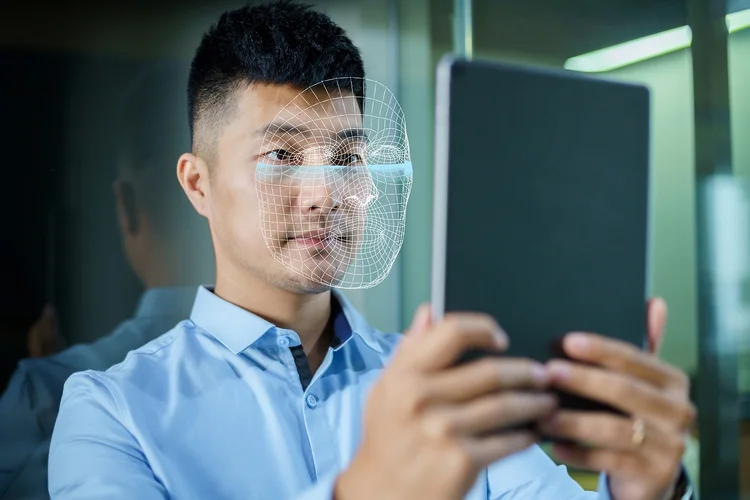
(62,63)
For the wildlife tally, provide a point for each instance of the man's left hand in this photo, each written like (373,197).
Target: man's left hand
(641,451)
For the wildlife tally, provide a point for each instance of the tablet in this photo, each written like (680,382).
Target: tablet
(541,202)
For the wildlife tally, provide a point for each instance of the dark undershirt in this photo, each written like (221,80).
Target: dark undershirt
(300,359)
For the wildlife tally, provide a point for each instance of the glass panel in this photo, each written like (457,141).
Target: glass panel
(738,23)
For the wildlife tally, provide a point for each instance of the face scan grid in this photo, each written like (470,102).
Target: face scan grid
(333,182)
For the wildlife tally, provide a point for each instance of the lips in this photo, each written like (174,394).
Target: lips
(318,239)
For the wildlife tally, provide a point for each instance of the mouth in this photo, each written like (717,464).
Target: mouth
(319,239)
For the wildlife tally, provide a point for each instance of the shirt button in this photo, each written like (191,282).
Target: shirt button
(312,401)
(283,341)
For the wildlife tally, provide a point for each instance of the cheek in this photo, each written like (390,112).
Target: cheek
(236,201)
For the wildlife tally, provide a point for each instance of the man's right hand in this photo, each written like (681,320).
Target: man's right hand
(431,425)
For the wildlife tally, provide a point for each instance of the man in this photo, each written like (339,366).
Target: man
(159,251)
(261,393)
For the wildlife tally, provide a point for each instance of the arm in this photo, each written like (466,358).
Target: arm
(27,410)
(92,455)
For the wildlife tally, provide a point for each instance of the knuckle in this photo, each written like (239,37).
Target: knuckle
(629,389)
(438,427)
(686,415)
(679,447)
(416,395)
(452,322)
(490,369)
(683,381)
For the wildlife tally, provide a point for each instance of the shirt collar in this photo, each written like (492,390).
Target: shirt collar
(356,323)
(166,301)
(239,329)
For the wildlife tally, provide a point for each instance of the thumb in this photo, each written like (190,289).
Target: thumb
(422,319)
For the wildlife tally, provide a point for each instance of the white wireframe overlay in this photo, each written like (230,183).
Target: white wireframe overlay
(333,180)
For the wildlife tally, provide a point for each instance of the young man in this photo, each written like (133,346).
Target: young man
(158,251)
(261,393)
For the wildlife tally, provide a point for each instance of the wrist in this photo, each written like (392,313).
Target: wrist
(353,484)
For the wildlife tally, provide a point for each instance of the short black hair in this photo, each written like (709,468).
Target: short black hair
(276,43)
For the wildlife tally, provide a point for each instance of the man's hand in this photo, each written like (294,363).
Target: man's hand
(43,338)
(641,452)
(431,426)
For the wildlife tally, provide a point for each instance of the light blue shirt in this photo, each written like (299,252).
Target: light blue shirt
(29,405)
(215,408)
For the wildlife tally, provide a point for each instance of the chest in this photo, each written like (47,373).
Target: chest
(260,434)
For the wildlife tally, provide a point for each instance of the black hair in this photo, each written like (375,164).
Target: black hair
(276,43)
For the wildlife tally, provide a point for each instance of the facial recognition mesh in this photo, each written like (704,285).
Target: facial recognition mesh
(333,179)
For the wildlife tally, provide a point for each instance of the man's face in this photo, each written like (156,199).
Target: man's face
(290,186)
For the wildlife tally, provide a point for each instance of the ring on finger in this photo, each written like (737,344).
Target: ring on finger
(639,433)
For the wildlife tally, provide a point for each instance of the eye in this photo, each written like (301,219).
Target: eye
(279,155)
(348,159)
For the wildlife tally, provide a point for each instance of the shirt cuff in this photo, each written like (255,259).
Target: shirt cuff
(603,488)
(323,489)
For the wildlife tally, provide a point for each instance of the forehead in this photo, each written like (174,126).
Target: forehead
(317,109)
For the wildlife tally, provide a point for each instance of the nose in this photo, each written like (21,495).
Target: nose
(318,193)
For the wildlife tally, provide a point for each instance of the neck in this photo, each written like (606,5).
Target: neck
(306,314)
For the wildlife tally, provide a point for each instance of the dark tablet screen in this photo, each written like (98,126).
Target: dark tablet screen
(541,202)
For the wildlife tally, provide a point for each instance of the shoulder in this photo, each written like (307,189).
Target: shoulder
(141,367)
(112,348)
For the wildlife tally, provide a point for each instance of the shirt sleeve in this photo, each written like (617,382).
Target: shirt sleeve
(28,407)
(92,455)
(532,475)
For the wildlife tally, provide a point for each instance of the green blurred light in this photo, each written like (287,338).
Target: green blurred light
(738,21)
(635,51)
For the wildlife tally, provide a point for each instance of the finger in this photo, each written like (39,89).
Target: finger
(421,320)
(471,380)
(498,412)
(489,449)
(604,430)
(627,394)
(657,323)
(622,357)
(449,339)
(600,460)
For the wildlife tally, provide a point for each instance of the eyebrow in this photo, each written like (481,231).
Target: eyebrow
(282,128)
(288,129)
(351,133)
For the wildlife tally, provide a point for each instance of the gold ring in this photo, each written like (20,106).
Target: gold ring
(639,433)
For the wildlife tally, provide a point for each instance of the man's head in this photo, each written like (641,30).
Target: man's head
(250,69)
(164,241)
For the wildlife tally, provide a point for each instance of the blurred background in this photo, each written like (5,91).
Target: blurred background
(65,67)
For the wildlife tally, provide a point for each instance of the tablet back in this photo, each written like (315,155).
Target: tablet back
(541,202)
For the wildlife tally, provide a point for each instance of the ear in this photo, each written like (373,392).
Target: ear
(192,172)
(127,207)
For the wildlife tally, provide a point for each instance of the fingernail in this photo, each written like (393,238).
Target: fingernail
(577,341)
(539,372)
(559,370)
(501,339)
